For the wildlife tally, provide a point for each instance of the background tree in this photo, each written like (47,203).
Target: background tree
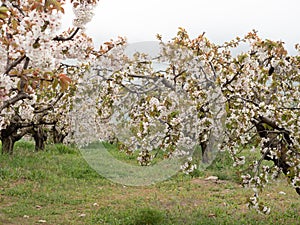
(32,83)
(262,91)
(257,89)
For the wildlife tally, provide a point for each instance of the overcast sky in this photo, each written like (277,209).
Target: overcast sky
(222,20)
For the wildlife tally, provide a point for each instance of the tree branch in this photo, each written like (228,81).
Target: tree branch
(18,8)
(60,38)
(233,78)
(50,106)
(14,64)
(18,97)
(289,108)
(269,122)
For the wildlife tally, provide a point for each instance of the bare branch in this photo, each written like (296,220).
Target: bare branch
(289,108)
(18,8)
(14,64)
(18,97)
(213,69)
(50,106)
(245,100)
(233,78)
(60,38)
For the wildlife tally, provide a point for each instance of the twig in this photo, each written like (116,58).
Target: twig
(51,105)
(60,38)
(233,78)
(14,64)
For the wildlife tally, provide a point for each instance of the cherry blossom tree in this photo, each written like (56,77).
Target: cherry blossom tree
(203,92)
(261,87)
(34,85)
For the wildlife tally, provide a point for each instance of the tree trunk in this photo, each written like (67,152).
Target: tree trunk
(8,145)
(9,136)
(58,136)
(205,158)
(40,137)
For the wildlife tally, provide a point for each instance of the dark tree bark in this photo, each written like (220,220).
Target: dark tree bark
(8,145)
(58,135)
(12,132)
(40,137)
(282,145)
(205,158)
(9,137)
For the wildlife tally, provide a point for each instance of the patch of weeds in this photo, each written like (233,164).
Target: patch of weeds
(20,190)
(24,145)
(137,216)
(222,167)
(62,149)
(197,173)
(148,216)
(78,168)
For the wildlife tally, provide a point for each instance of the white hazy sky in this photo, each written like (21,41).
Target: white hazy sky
(222,20)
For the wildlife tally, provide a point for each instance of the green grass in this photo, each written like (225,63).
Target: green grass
(58,186)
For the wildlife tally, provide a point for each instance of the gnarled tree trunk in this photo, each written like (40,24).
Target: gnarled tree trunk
(9,137)
(40,137)
(8,145)
(58,135)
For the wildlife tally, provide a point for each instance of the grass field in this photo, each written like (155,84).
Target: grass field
(57,186)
